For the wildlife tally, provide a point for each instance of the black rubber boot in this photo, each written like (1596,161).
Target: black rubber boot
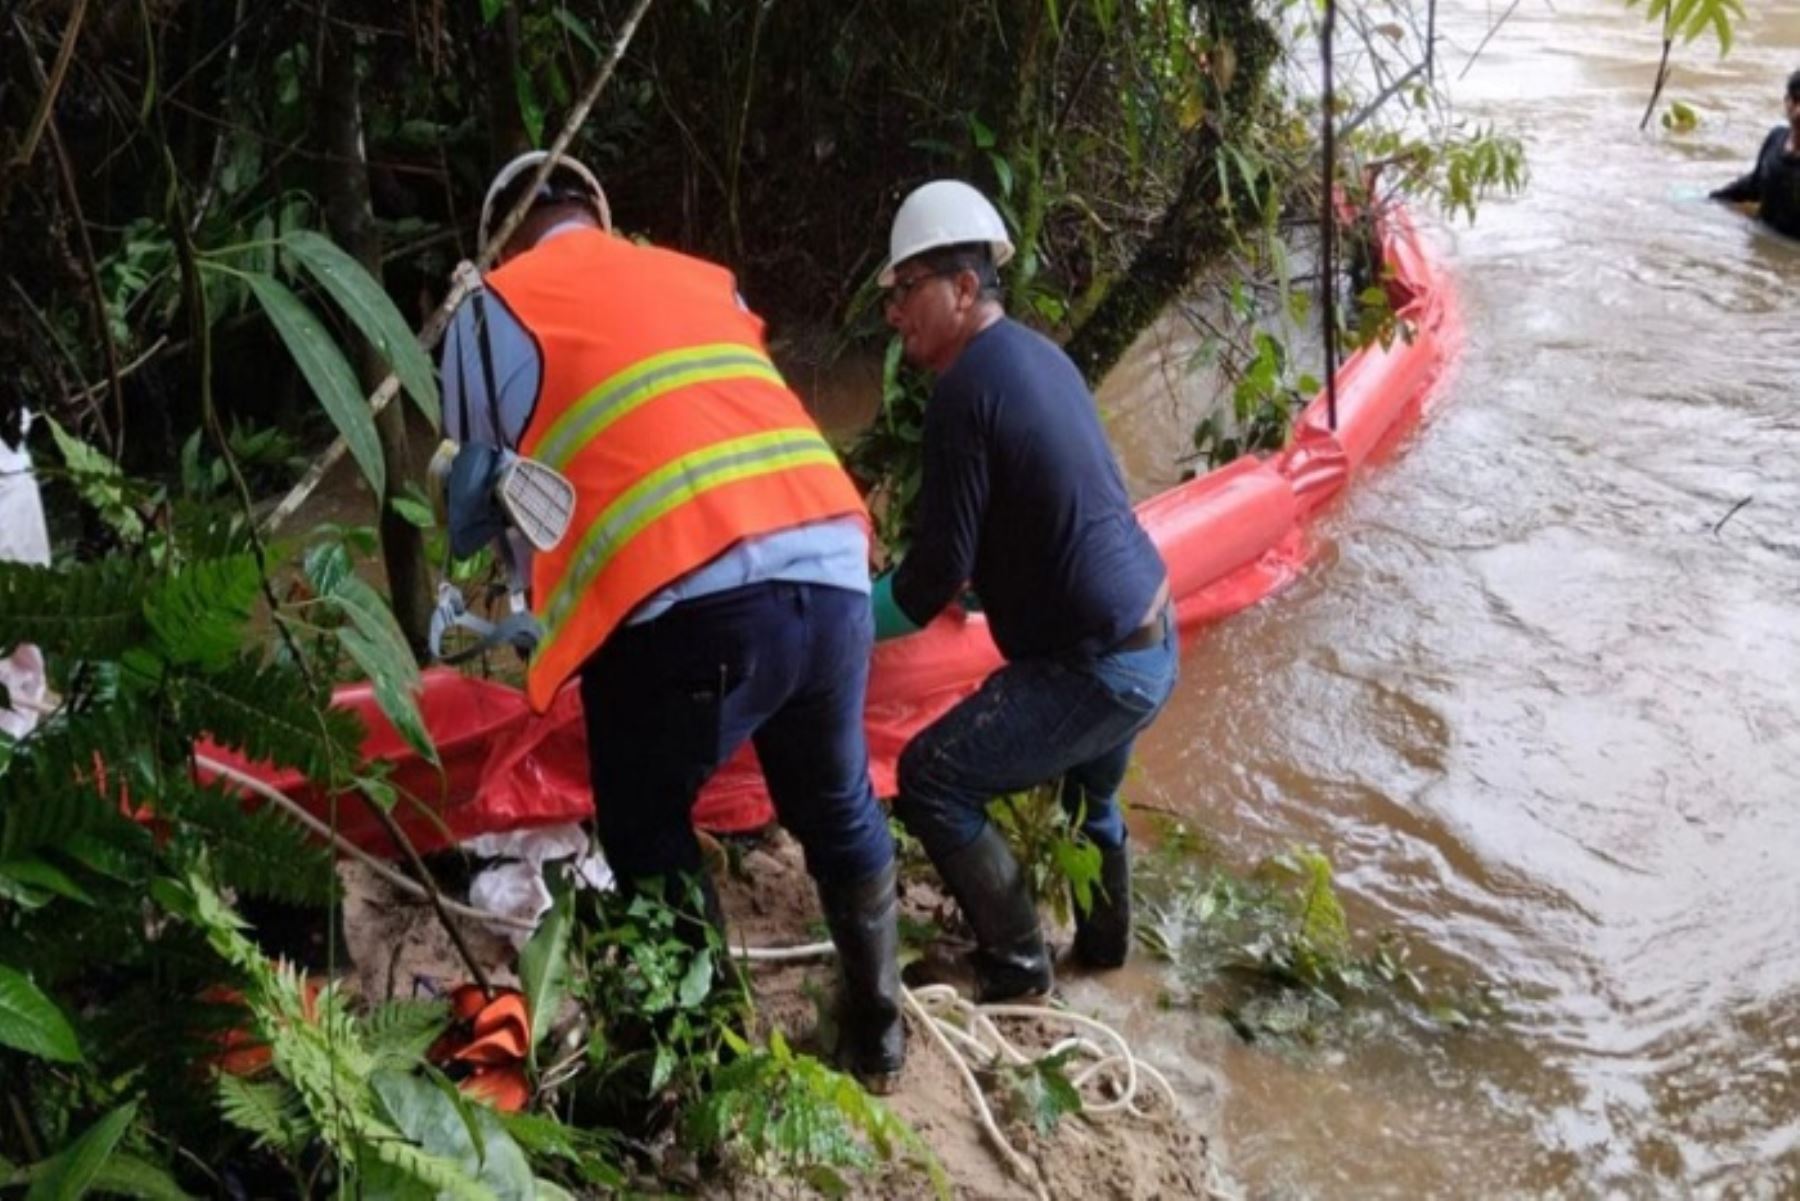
(1103,933)
(1011,961)
(864,921)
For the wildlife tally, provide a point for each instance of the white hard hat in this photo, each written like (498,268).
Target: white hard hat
(531,160)
(944,212)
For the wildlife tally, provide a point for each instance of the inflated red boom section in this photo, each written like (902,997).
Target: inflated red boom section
(1230,538)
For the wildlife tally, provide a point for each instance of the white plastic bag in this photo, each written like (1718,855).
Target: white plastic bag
(23,539)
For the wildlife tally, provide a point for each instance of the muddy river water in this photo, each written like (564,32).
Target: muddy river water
(1544,719)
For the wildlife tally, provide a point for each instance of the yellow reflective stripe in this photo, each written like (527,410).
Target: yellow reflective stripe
(668,488)
(641,383)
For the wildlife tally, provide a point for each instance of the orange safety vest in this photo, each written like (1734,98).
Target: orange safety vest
(659,402)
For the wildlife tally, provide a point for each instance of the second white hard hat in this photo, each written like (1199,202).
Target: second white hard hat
(944,212)
(530,161)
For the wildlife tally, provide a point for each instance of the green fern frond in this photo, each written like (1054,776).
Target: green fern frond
(66,778)
(198,613)
(91,611)
(267,712)
(791,1114)
(270,1111)
(260,852)
(399,1032)
(216,530)
(319,1050)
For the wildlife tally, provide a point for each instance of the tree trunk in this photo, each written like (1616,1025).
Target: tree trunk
(1192,231)
(497,59)
(352,225)
(1023,133)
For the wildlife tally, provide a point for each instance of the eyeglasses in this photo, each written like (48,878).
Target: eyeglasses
(902,289)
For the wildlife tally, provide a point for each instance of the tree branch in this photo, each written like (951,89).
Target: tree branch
(440,320)
(65,175)
(53,85)
(1662,74)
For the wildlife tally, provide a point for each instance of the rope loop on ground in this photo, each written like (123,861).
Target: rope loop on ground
(1111,1079)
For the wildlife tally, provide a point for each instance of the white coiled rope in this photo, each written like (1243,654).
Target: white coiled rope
(1112,1080)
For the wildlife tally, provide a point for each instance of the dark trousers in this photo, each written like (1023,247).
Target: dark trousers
(1032,721)
(667,701)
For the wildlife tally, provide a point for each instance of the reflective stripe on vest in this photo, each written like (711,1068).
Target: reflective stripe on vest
(643,382)
(666,489)
(659,402)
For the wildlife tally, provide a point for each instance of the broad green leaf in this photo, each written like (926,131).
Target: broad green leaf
(1079,862)
(27,898)
(126,1175)
(542,965)
(74,1170)
(326,371)
(577,29)
(367,305)
(36,873)
(370,614)
(431,1120)
(661,1068)
(378,790)
(396,680)
(374,640)
(531,112)
(1060,1096)
(465,1111)
(1004,173)
(491,9)
(326,565)
(414,510)
(31,1022)
(698,980)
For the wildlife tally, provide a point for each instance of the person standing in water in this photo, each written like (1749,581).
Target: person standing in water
(1773,183)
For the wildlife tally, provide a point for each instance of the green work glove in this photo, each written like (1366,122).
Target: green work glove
(891,620)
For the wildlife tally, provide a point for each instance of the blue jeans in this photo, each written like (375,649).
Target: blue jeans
(1033,721)
(782,665)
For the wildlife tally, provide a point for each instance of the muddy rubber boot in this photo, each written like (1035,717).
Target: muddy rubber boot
(1011,960)
(1103,933)
(865,925)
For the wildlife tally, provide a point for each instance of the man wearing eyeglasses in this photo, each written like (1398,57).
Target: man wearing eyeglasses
(1022,500)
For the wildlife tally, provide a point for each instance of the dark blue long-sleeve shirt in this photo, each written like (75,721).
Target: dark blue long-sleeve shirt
(1021,497)
(1773,182)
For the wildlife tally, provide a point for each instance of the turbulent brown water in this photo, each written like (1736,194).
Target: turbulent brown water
(1544,718)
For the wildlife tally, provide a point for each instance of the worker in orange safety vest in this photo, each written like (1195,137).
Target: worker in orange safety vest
(713,585)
